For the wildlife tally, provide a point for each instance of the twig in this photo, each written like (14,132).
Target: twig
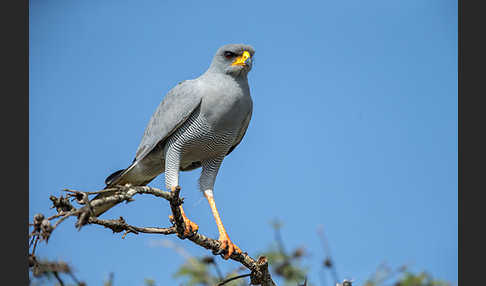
(120,225)
(91,193)
(58,278)
(233,278)
(35,245)
(63,218)
(56,216)
(32,239)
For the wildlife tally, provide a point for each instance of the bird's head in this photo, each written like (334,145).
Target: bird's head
(233,59)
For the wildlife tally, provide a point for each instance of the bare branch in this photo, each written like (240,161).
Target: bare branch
(42,229)
(120,225)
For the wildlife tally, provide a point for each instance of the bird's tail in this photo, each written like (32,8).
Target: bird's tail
(117,178)
(133,175)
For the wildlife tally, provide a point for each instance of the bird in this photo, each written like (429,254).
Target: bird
(197,124)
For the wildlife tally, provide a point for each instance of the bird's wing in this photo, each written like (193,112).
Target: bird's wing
(172,112)
(242,132)
(176,107)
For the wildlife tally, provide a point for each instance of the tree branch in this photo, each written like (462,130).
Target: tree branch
(120,225)
(42,228)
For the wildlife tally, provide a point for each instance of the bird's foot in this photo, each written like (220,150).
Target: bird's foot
(190,227)
(228,246)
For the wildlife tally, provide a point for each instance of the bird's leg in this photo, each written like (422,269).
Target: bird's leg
(172,164)
(206,183)
(190,227)
(226,243)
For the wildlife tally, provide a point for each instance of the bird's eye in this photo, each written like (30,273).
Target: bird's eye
(229,54)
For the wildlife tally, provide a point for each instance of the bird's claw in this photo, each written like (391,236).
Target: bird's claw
(175,188)
(228,246)
(190,227)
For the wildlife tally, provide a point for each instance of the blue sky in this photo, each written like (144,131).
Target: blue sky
(354,128)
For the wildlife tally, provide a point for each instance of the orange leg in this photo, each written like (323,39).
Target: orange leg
(226,243)
(191,227)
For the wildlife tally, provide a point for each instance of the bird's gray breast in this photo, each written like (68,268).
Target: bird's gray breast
(212,128)
(226,102)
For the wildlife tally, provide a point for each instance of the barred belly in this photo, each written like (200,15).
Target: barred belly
(197,141)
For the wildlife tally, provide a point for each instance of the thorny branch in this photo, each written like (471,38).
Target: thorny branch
(42,228)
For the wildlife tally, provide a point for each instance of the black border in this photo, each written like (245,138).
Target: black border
(15,141)
(471,130)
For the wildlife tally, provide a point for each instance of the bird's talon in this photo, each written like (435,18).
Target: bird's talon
(173,189)
(190,227)
(228,246)
(218,252)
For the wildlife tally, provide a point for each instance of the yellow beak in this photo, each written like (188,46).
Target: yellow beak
(241,61)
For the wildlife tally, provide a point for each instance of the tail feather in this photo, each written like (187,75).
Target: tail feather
(121,177)
(111,178)
(129,175)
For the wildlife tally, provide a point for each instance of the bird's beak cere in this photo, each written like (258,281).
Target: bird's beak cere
(243,60)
